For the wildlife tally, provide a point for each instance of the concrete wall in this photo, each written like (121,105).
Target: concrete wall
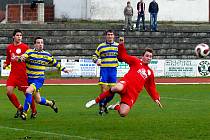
(170,10)
(72,9)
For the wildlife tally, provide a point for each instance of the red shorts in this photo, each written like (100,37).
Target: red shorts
(20,82)
(129,95)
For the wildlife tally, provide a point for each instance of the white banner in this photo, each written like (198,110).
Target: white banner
(122,69)
(5,72)
(71,65)
(158,67)
(161,67)
(180,68)
(88,68)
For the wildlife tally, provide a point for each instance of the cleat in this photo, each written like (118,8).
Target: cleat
(106,110)
(90,103)
(53,106)
(101,112)
(33,115)
(23,115)
(17,114)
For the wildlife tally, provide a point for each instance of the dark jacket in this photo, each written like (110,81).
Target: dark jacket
(141,7)
(153,7)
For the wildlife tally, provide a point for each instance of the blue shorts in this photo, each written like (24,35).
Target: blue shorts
(108,75)
(37,83)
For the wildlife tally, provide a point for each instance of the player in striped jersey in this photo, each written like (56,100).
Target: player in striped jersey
(105,56)
(36,61)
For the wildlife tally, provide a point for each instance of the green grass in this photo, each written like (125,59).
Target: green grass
(186,116)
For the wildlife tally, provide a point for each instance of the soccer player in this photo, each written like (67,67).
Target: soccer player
(36,61)
(129,87)
(17,76)
(105,56)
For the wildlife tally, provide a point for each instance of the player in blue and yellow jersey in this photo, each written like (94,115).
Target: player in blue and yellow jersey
(36,61)
(105,56)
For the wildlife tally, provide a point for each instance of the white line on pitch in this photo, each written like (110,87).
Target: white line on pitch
(181,99)
(46,133)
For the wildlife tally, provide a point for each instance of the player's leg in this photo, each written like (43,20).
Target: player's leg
(115,89)
(13,98)
(110,78)
(43,101)
(102,103)
(28,101)
(22,86)
(11,84)
(33,109)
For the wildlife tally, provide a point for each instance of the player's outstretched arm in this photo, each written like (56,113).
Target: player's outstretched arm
(159,104)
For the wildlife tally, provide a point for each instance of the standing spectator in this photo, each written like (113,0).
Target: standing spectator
(17,76)
(153,10)
(128,13)
(141,15)
(105,56)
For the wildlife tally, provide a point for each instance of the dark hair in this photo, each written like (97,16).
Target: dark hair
(37,38)
(109,31)
(147,50)
(128,2)
(16,31)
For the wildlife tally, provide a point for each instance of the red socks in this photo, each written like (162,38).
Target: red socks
(103,96)
(14,101)
(33,106)
(117,107)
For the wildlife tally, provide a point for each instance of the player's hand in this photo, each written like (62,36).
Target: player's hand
(4,66)
(159,104)
(22,58)
(98,62)
(14,58)
(67,71)
(121,40)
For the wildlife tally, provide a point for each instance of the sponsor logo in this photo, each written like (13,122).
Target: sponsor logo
(204,68)
(18,51)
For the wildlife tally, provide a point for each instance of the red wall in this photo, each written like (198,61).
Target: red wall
(28,13)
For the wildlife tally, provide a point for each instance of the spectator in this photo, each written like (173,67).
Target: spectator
(153,10)
(128,13)
(141,15)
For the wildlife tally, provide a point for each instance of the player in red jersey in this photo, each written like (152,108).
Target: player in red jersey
(17,76)
(129,87)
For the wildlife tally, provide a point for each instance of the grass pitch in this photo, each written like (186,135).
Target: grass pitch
(186,116)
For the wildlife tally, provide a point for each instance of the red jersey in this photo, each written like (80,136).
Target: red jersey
(17,68)
(139,75)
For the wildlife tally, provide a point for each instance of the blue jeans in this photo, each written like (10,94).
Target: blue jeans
(142,17)
(153,21)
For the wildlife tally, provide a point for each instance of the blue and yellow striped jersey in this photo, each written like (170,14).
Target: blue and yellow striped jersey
(36,63)
(108,53)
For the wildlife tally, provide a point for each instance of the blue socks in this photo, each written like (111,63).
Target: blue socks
(28,102)
(43,101)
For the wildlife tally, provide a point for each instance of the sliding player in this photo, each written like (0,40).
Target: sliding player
(129,87)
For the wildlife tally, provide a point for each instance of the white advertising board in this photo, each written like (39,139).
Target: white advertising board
(161,67)
(180,68)
(71,65)
(5,72)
